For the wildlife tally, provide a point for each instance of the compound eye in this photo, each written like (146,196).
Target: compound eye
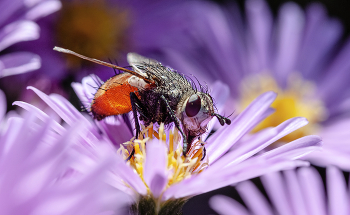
(193,105)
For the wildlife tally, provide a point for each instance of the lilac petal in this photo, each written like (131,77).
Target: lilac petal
(260,141)
(222,140)
(62,107)
(289,31)
(275,188)
(225,205)
(2,105)
(115,129)
(328,157)
(18,62)
(211,180)
(312,186)
(91,84)
(79,91)
(129,176)
(337,75)
(40,114)
(260,25)
(43,9)
(18,32)
(337,193)
(295,192)
(300,145)
(155,171)
(220,94)
(253,198)
(321,36)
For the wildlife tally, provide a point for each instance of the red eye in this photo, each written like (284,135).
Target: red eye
(193,105)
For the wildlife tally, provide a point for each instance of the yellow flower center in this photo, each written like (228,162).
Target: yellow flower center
(296,100)
(178,166)
(92,28)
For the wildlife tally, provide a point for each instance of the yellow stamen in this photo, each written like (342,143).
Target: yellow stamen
(171,141)
(178,166)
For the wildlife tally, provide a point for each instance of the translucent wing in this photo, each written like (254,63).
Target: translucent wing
(141,64)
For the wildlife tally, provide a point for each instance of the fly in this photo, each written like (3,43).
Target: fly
(155,92)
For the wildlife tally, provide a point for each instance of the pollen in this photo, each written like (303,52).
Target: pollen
(93,28)
(297,99)
(179,167)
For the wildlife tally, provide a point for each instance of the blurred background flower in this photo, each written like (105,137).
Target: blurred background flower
(291,192)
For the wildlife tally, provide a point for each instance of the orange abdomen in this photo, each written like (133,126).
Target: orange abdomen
(113,97)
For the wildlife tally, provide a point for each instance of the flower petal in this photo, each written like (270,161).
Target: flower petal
(290,30)
(275,188)
(18,32)
(129,176)
(155,171)
(312,185)
(225,205)
(295,193)
(43,9)
(298,147)
(253,198)
(259,141)
(18,62)
(338,197)
(222,140)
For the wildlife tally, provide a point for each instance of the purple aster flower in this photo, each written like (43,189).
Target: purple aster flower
(17,24)
(299,55)
(158,175)
(290,192)
(47,168)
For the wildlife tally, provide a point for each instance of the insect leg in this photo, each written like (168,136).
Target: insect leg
(177,124)
(136,107)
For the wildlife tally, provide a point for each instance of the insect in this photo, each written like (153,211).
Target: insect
(155,92)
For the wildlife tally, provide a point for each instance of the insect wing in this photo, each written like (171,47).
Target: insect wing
(141,64)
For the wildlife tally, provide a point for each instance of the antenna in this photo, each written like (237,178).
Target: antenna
(67,51)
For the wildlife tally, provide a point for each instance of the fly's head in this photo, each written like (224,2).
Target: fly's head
(197,110)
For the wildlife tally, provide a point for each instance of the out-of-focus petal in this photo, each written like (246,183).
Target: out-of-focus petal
(18,32)
(337,195)
(289,31)
(295,193)
(311,184)
(43,9)
(227,206)
(254,200)
(275,188)
(18,62)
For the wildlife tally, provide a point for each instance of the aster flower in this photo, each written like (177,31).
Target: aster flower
(47,168)
(299,55)
(290,192)
(161,180)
